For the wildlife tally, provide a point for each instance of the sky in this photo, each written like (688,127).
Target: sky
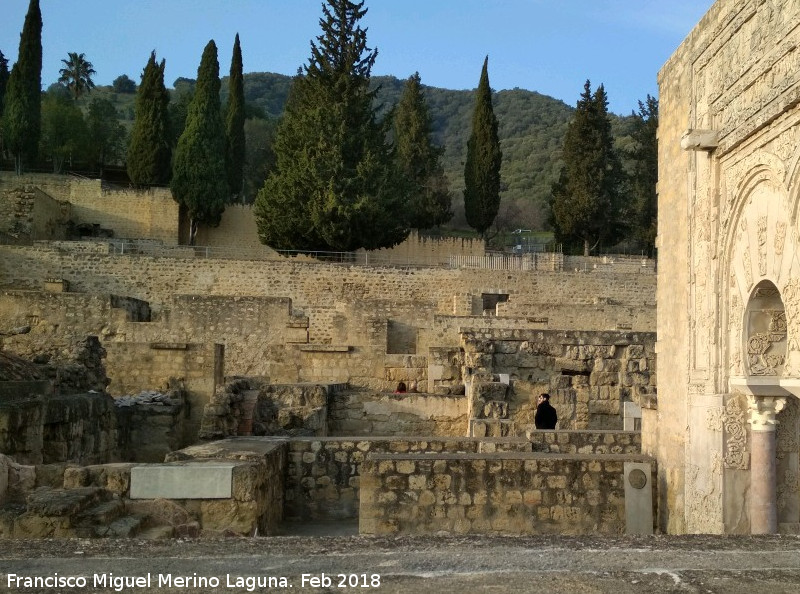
(548,46)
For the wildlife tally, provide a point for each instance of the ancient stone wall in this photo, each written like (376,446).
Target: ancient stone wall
(589,375)
(133,367)
(79,428)
(129,213)
(307,284)
(728,176)
(508,493)
(323,475)
(586,442)
(417,250)
(364,412)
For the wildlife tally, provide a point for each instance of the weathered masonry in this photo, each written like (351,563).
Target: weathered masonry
(728,298)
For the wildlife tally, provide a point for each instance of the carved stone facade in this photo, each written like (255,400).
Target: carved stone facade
(728,346)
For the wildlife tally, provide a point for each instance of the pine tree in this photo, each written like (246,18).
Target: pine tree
(418,160)
(645,174)
(482,168)
(22,113)
(199,183)
(150,152)
(585,202)
(334,186)
(234,122)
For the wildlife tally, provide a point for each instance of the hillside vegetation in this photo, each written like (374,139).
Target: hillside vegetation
(532,128)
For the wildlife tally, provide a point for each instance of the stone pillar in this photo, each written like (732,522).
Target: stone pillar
(763,500)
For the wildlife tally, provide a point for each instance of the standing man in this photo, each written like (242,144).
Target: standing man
(546,417)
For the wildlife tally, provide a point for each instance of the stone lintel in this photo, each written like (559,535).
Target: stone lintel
(169,346)
(325,348)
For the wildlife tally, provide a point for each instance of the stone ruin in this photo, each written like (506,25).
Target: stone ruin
(158,389)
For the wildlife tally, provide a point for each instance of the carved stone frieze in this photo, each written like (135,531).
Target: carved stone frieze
(748,267)
(736,454)
(786,432)
(703,500)
(788,488)
(714,418)
(780,239)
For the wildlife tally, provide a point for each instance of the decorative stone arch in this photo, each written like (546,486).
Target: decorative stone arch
(761,262)
(757,246)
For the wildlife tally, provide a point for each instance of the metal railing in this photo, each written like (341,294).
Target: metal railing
(534,261)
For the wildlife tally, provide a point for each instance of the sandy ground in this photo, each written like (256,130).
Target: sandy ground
(438,565)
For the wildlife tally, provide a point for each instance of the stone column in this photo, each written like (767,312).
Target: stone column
(763,500)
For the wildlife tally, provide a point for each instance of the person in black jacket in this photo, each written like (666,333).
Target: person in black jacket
(546,417)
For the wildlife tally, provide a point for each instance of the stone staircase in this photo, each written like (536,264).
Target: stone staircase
(83,512)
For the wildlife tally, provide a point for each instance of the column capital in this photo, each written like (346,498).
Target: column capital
(763,410)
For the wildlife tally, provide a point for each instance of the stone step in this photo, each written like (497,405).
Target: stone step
(50,502)
(123,527)
(156,533)
(104,513)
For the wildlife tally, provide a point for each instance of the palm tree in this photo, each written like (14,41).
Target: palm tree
(77,74)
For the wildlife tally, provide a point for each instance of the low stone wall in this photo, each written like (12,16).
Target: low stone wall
(323,475)
(364,412)
(80,428)
(509,493)
(586,442)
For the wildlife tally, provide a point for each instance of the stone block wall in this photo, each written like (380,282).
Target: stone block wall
(366,412)
(141,214)
(504,494)
(156,280)
(323,475)
(44,429)
(133,367)
(589,375)
(586,442)
(416,250)
(148,432)
(252,406)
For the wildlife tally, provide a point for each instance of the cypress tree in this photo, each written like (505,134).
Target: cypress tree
(418,159)
(149,151)
(3,82)
(22,113)
(334,185)
(234,122)
(199,183)
(482,167)
(585,204)
(645,173)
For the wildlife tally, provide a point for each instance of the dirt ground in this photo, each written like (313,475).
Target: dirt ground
(652,564)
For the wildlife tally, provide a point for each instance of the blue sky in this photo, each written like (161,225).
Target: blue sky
(549,46)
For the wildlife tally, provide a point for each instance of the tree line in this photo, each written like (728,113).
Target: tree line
(337,169)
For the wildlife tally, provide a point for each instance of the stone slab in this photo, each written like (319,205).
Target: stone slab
(638,498)
(193,480)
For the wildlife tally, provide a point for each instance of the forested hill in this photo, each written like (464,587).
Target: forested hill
(531,128)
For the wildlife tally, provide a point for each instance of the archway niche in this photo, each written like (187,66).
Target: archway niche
(765,332)
(764,336)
